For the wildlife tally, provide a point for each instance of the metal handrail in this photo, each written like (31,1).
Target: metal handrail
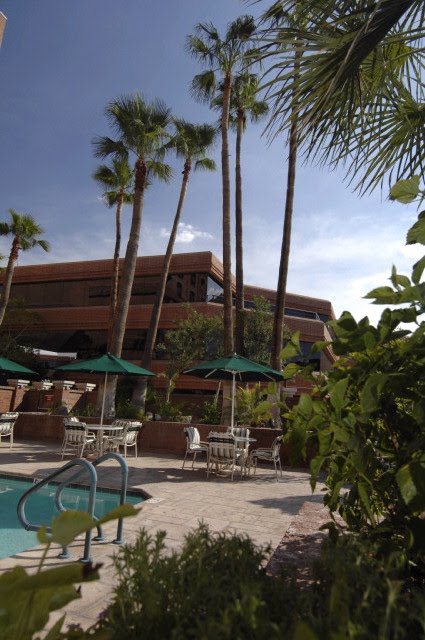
(87,466)
(123,493)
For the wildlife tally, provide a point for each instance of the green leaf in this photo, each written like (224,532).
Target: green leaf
(405,191)
(416,233)
(418,270)
(318,346)
(399,280)
(383,295)
(70,524)
(371,391)
(411,481)
(292,348)
(291,370)
(122,511)
(363,495)
(42,536)
(337,394)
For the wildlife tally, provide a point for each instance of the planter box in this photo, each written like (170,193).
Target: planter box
(85,386)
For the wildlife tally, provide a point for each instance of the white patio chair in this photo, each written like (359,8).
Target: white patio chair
(7,423)
(223,452)
(241,447)
(193,444)
(125,436)
(77,438)
(269,455)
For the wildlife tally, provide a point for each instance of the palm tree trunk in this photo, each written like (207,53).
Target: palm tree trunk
(115,268)
(7,283)
(227,260)
(139,393)
(240,319)
(127,278)
(279,315)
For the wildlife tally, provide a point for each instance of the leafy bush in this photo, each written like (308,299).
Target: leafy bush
(369,416)
(27,599)
(216,587)
(129,411)
(211,412)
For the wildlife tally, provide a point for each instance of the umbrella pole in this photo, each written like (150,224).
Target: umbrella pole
(232,420)
(103,399)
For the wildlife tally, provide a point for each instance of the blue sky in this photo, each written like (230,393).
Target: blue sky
(61,63)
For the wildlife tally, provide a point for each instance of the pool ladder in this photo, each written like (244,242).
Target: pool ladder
(90,469)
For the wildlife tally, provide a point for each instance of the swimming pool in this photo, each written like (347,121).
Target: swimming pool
(40,509)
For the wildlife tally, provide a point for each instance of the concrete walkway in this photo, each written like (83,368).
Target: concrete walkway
(179,499)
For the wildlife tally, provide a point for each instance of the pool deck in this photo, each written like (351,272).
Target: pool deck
(257,506)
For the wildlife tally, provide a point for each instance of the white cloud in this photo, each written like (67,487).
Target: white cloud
(186,233)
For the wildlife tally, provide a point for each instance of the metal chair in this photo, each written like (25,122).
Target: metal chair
(222,451)
(77,438)
(242,448)
(193,444)
(125,436)
(7,423)
(270,455)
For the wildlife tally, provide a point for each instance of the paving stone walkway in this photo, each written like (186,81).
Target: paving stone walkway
(179,499)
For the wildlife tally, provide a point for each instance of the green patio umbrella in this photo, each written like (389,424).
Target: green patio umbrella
(234,367)
(106,364)
(9,366)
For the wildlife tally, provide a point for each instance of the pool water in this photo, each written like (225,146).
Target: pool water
(40,508)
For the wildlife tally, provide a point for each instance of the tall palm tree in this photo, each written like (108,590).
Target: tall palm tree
(25,232)
(118,180)
(222,56)
(244,104)
(191,143)
(327,111)
(363,57)
(141,130)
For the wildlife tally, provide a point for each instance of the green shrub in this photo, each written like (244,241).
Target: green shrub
(129,411)
(211,412)
(216,587)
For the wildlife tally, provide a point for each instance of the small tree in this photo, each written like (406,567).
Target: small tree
(197,337)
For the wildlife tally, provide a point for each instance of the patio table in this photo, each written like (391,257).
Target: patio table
(99,430)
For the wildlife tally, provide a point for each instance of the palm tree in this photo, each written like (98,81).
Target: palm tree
(358,87)
(25,232)
(191,143)
(326,110)
(118,181)
(141,131)
(244,103)
(222,56)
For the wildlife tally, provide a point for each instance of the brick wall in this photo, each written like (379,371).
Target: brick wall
(161,437)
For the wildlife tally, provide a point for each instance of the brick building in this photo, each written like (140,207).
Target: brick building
(72,300)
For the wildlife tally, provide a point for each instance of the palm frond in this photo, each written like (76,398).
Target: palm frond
(104,146)
(205,164)
(159,170)
(203,86)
